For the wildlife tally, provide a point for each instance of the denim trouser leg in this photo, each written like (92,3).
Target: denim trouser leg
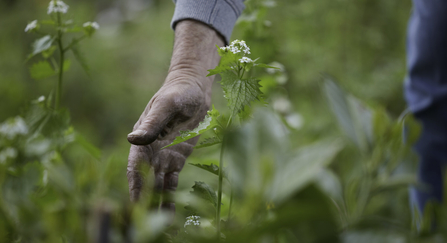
(426,93)
(432,150)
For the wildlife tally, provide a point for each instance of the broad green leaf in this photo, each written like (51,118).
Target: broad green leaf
(74,29)
(208,123)
(40,70)
(262,65)
(48,22)
(49,52)
(80,58)
(204,191)
(208,142)
(92,149)
(212,168)
(354,118)
(67,64)
(302,168)
(42,44)
(402,181)
(239,92)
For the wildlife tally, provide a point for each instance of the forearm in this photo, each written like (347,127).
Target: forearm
(194,52)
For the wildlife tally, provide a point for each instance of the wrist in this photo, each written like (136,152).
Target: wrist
(194,49)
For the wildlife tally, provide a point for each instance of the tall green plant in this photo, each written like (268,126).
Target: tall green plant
(53,47)
(240,89)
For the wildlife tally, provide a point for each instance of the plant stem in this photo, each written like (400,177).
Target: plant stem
(74,42)
(61,62)
(231,204)
(219,193)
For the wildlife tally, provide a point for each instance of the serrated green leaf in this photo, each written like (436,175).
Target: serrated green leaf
(208,123)
(208,142)
(212,168)
(80,58)
(40,70)
(42,44)
(217,70)
(205,192)
(239,92)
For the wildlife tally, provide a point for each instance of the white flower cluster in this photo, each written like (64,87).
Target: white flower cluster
(245,60)
(237,46)
(57,6)
(192,220)
(94,25)
(31,26)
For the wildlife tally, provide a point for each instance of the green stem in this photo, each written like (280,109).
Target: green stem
(219,193)
(61,62)
(243,72)
(231,204)
(74,42)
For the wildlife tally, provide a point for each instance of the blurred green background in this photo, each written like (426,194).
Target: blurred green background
(360,43)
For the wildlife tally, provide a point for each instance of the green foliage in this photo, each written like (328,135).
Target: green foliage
(41,70)
(208,142)
(210,122)
(205,192)
(240,93)
(54,188)
(80,58)
(42,44)
(212,168)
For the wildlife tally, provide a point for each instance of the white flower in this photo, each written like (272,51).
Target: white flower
(41,99)
(192,220)
(57,6)
(94,25)
(31,26)
(237,46)
(245,60)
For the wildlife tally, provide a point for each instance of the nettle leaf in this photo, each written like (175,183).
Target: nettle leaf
(217,70)
(41,70)
(212,168)
(239,92)
(42,44)
(208,142)
(205,192)
(208,123)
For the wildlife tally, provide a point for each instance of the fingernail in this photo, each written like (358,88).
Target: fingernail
(137,133)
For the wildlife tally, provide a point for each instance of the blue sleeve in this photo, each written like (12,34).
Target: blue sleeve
(221,15)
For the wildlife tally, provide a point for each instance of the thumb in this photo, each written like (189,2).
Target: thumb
(152,125)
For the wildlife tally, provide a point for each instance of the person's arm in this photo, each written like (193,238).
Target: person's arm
(221,15)
(180,104)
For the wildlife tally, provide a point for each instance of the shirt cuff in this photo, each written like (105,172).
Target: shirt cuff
(221,15)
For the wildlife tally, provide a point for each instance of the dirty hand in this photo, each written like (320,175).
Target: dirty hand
(180,104)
